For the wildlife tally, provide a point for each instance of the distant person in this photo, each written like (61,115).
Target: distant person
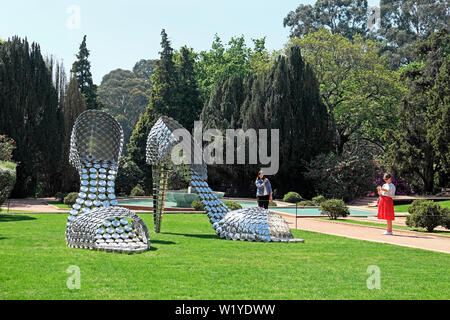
(386,203)
(263,190)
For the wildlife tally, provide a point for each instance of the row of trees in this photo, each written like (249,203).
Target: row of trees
(341,115)
(38,109)
(400,23)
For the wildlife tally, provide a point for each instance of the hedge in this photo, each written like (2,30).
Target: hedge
(7,179)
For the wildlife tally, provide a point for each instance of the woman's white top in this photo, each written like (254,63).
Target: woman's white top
(391,190)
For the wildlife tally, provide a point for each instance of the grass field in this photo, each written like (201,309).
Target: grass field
(60,205)
(188,261)
(404,207)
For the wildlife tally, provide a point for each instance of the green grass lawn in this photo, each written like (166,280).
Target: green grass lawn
(188,261)
(404,207)
(59,205)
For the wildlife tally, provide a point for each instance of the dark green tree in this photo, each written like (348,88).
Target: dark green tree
(189,105)
(29,114)
(74,105)
(138,145)
(286,98)
(164,98)
(421,144)
(293,105)
(81,69)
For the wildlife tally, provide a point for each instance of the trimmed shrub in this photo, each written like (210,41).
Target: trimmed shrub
(306,203)
(292,197)
(137,191)
(425,214)
(334,208)
(71,198)
(7,180)
(60,196)
(232,205)
(198,205)
(318,200)
(446,218)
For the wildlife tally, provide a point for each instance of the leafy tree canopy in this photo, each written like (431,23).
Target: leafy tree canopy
(360,92)
(125,96)
(81,69)
(346,17)
(222,61)
(421,143)
(406,21)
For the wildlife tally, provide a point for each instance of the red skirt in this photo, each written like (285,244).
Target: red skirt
(386,208)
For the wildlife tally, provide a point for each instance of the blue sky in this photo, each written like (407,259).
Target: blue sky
(121,32)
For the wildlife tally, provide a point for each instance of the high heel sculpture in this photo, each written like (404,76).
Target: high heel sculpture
(252,224)
(95,221)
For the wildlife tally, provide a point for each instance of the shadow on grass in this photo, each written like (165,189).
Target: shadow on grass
(200,236)
(10,217)
(161,242)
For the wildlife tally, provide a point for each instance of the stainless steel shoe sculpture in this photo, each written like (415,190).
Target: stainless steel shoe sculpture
(95,221)
(252,224)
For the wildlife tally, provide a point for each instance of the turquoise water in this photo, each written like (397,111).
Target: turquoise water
(145,203)
(246,204)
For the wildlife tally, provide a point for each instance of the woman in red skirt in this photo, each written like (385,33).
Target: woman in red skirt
(385,202)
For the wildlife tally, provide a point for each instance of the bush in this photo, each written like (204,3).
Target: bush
(7,180)
(318,200)
(272,204)
(71,198)
(334,208)
(425,214)
(292,197)
(232,205)
(306,203)
(7,146)
(198,205)
(176,182)
(446,219)
(346,177)
(60,196)
(137,191)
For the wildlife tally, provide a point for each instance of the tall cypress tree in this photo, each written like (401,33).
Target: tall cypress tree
(189,106)
(164,98)
(74,105)
(285,98)
(29,114)
(163,101)
(82,70)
